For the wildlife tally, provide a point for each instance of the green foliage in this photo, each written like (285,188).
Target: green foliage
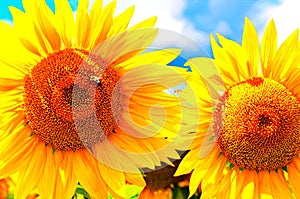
(183,193)
(81,192)
(10,196)
(132,192)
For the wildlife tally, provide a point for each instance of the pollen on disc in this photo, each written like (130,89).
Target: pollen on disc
(260,127)
(50,103)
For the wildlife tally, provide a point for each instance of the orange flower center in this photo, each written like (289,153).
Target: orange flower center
(260,127)
(68,82)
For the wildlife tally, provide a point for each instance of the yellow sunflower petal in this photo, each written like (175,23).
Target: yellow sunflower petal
(10,146)
(46,24)
(236,55)
(294,176)
(124,155)
(100,28)
(33,10)
(291,80)
(226,185)
(108,167)
(13,98)
(14,129)
(96,10)
(29,175)
(30,46)
(251,45)
(48,30)
(8,36)
(65,18)
(214,171)
(42,5)
(242,179)
(9,84)
(135,178)
(280,186)
(186,167)
(13,74)
(121,22)
(89,176)
(156,57)
(248,191)
(206,169)
(222,61)
(82,25)
(66,182)
(149,78)
(148,23)
(48,177)
(29,6)
(285,56)
(16,160)
(140,153)
(124,46)
(265,182)
(117,183)
(10,45)
(195,180)
(45,45)
(188,164)
(269,48)
(257,185)
(24,26)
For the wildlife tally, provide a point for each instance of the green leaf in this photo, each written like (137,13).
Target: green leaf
(180,192)
(10,196)
(285,168)
(133,191)
(81,191)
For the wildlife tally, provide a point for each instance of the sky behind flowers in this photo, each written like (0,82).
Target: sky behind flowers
(197,19)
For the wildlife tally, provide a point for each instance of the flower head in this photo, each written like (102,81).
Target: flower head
(76,96)
(248,141)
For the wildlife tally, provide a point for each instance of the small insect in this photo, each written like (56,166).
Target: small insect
(95,79)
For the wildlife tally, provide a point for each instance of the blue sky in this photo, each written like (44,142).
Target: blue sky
(197,19)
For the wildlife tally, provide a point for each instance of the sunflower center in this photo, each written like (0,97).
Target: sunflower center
(260,127)
(264,120)
(52,96)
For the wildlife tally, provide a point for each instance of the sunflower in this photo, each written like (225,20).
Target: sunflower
(248,141)
(160,182)
(76,97)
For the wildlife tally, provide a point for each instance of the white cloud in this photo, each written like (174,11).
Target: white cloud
(170,16)
(286,16)
(7,21)
(223,27)
(168,11)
